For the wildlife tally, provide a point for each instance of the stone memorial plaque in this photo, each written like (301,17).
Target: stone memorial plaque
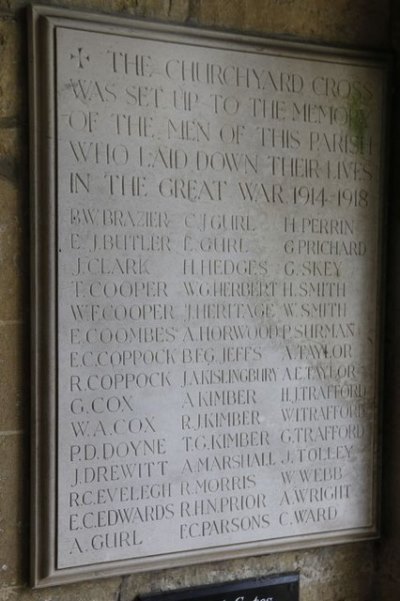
(279,587)
(207,221)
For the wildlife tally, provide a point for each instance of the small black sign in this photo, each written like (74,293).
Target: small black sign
(279,587)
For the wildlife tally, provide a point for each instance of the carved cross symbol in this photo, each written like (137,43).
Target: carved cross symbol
(81,58)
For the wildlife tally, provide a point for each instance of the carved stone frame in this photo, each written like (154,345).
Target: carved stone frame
(43,21)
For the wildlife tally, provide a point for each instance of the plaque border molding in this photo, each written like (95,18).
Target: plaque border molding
(43,187)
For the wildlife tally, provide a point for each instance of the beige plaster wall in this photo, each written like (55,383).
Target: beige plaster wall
(342,573)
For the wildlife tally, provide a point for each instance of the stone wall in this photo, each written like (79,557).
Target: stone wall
(340,573)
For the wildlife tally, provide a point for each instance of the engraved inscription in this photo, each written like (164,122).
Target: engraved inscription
(218,250)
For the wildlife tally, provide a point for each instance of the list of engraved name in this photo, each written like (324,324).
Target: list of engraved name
(217,283)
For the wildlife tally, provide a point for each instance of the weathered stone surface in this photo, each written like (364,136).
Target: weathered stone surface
(13,154)
(325,573)
(343,21)
(332,574)
(14,563)
(14,393)
(14,471)
(105,590)
(174,10)
(14,261)
(12,84)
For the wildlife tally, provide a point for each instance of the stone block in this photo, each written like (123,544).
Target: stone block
(345,21)
(332,574)
(13,155)
(9,7)
(14,386)
(13,555)
(174,10)
(100,590)
(327,573)
(13,75)
(14,255)
(14,507)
